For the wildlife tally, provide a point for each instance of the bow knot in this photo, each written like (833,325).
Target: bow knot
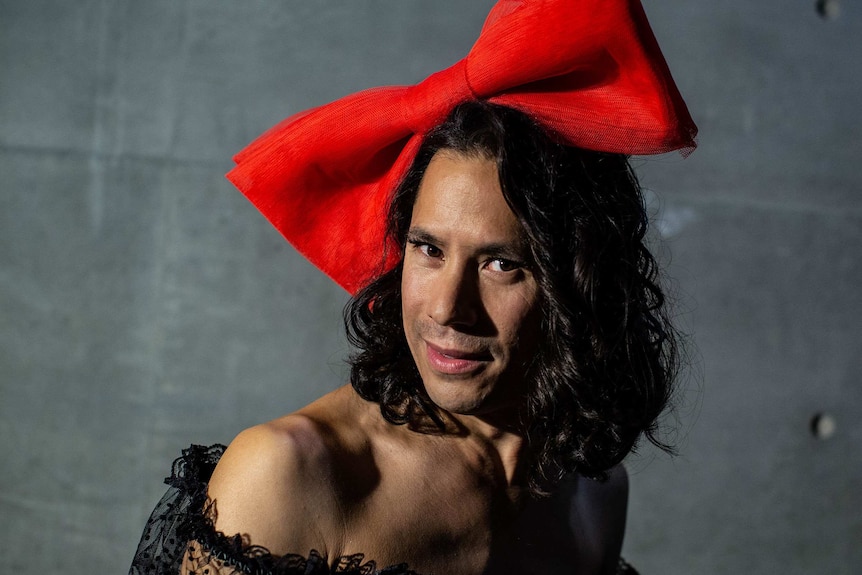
(426,104)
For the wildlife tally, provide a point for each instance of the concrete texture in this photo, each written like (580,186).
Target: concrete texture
(145,305)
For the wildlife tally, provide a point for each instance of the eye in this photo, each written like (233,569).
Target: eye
(426,249)
(430,251)
(501,265)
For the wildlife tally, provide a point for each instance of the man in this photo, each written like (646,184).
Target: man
(449,491)
(511,341)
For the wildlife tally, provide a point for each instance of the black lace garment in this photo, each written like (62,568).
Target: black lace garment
(180,535)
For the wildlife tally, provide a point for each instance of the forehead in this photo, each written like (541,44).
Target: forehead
(461,193)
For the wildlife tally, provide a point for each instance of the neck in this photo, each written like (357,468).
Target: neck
(497,437)
(501,437)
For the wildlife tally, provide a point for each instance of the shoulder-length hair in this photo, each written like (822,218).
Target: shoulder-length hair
(608,356)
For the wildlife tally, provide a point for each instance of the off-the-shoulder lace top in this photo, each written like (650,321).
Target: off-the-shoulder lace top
(180,535)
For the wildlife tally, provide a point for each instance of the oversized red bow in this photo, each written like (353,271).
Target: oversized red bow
(588,70)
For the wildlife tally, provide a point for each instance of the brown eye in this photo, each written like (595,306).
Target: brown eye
(430,251)
(503,266)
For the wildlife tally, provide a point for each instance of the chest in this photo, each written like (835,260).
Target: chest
(458,520)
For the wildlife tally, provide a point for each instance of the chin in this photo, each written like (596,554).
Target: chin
(461,396)
(457,395)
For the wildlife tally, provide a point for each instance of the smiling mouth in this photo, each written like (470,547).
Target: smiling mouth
(454,361)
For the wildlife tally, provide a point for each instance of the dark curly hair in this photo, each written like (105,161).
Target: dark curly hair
(605,367)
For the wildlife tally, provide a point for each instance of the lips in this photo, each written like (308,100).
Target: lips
(455,361)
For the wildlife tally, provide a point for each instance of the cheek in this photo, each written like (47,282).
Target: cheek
(517,316)
(413,295)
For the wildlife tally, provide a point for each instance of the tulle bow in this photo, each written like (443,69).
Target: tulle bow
(588,70)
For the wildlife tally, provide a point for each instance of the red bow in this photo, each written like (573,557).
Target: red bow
(588,70)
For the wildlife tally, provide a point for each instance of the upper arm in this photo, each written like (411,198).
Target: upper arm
(273,487)
(598,516)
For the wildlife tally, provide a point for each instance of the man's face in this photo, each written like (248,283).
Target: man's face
(469,299)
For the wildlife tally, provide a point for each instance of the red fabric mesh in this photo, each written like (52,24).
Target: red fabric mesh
(590,71)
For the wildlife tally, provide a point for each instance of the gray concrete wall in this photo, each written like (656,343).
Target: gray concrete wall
(145,305)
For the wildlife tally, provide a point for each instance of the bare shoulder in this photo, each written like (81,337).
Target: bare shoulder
(276,484)
(577,528)
(602,497)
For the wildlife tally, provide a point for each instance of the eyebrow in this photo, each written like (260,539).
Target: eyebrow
(515,251)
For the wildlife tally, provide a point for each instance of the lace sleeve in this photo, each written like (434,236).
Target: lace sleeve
(179,513)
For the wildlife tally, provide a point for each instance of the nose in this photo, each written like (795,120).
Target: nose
(455,299)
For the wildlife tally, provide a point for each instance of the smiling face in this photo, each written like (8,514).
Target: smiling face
(469,300)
